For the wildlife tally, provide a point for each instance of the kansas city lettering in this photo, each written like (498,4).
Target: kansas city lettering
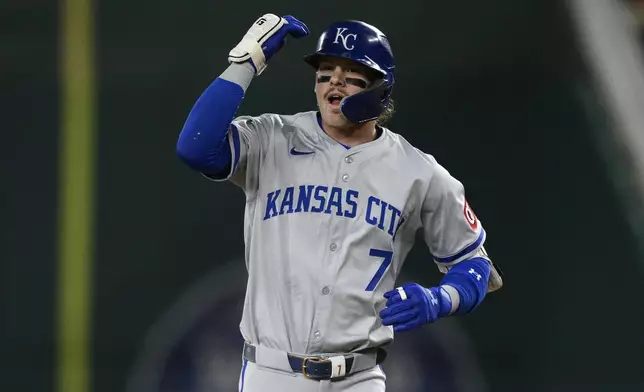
(322,199)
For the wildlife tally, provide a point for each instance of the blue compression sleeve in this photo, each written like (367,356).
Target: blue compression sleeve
(202,144)
(469,278)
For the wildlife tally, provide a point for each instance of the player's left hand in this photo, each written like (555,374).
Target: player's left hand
(421,306)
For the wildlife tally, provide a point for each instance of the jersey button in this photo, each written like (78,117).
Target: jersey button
(333,247)
(345,177)
(326,290)
(348,159)
(318,335)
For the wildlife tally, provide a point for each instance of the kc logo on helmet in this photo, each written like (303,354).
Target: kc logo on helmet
(340,34)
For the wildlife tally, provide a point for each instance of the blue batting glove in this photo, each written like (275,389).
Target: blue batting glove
(265,38)
(292,27)
(422,306)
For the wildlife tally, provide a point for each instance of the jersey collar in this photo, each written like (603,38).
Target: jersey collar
(380,131)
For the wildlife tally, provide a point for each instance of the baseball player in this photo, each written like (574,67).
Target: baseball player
(334,200)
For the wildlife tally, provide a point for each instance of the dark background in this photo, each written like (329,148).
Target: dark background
(492,89)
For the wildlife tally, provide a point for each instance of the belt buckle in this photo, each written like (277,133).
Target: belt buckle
(314,360)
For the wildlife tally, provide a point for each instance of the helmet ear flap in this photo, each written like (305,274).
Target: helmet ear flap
(381,89)
(368,104)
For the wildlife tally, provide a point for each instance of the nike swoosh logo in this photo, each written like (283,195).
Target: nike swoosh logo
(295,152)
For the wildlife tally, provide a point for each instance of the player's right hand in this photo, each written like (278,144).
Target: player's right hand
(265,38)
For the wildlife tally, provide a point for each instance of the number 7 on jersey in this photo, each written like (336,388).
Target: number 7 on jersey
(386,260)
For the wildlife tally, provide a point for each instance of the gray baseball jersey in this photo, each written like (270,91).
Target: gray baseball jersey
(327,229)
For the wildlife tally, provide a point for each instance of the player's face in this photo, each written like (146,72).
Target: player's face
(337,78)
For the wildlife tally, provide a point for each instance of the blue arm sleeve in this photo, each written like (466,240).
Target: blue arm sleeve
(469,278)
(202,144)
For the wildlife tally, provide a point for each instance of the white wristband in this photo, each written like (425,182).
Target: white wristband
(454,297)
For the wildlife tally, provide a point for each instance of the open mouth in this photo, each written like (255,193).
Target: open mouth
(334,99)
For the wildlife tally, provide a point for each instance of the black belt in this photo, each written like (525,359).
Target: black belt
(316,367)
